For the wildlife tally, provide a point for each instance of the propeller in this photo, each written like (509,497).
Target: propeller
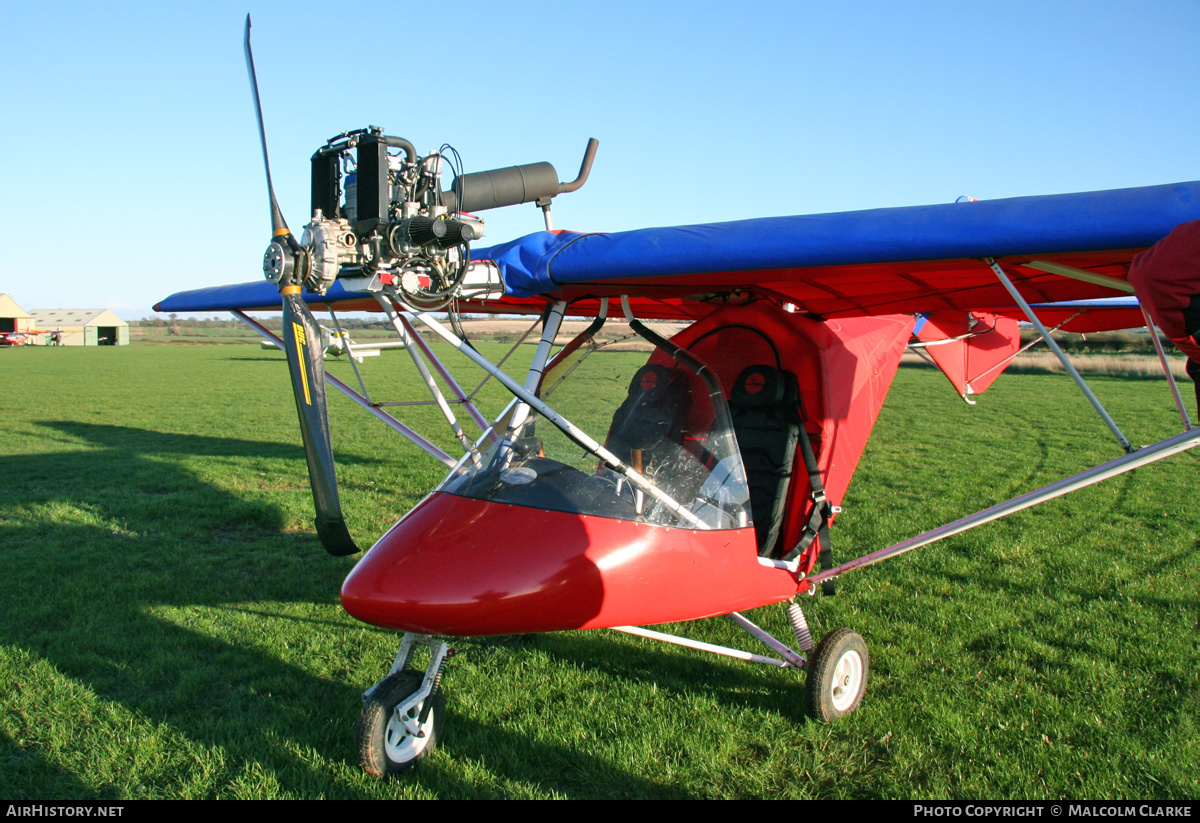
(285,264)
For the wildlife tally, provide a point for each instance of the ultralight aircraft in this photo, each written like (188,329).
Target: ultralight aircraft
(337,343)
(723,459)
(14,338)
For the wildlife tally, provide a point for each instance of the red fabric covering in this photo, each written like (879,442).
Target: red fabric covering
(1167,279)
(1188,346)
(974,360)
(845,368)
(1083,320)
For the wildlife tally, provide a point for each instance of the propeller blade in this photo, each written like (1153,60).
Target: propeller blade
(302,340)
(279,226)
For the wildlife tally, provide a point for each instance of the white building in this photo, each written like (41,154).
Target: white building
(81,327)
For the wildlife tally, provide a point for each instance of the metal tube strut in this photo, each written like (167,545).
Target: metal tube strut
(568,428)
(1162,359)
(344,339)
(507,355)
(1115,283)
(793,658)
(401,326)
(1067,364)
(1004,363)
(537,368)
(389,421)
(702,646)
(479,419)
(1120,465)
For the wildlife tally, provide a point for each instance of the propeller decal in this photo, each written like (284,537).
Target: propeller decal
(298,334)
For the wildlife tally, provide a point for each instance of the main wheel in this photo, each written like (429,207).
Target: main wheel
(837,675)
(389,743)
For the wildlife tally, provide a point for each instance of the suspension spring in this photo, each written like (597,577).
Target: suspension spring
(796,617)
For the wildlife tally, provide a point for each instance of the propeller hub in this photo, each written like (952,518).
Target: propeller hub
(278,263)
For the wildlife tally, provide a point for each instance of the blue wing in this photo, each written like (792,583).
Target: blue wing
(881,261)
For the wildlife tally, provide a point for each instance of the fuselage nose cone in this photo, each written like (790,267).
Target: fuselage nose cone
(460,566)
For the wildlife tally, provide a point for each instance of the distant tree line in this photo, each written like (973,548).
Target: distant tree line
(1109,342)
(274,322)
(1113,342)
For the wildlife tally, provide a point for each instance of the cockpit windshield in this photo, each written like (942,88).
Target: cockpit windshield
(664,421)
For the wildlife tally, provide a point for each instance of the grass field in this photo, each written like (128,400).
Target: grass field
(169,624)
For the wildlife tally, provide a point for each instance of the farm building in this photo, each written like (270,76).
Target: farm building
(81,327)
(13,318)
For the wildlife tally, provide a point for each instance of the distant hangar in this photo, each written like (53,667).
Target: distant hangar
(82,327)
(64,327)
(13,318)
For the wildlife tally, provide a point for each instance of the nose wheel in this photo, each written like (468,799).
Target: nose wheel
(837,675)
(402,714)
(393,735)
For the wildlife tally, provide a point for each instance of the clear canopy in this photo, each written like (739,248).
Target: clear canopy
(672,461)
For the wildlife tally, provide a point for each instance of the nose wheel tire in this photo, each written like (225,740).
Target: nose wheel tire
(837,675)
(389,742)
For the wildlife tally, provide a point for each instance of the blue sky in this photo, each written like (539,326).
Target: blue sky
(131,164)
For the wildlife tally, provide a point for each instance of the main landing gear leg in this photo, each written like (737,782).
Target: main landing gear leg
(402,714)
(837,666)
(837,670)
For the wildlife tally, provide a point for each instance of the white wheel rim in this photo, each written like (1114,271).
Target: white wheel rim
(405,738)
(847,680)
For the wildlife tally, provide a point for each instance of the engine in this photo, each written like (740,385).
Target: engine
(379,212)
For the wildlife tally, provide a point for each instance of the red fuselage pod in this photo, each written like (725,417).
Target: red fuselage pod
(466,567)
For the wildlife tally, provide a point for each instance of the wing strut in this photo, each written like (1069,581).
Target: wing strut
(1054,347)
(1162,359)
(404,330)
(389,421)
(1126,462)
(1081,274)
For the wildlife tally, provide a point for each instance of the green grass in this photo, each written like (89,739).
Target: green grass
(169,624)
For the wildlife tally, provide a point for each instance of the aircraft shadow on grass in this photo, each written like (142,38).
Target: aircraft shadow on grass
(98,539)
(26,768)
